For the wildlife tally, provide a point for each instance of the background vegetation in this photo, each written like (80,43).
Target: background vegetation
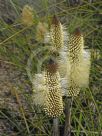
(18,116)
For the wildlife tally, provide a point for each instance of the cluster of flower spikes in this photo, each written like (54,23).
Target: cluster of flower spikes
(78,62)
(54,103)
(75,59)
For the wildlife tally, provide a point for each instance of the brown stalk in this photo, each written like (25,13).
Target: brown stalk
(56,127)
(68,107)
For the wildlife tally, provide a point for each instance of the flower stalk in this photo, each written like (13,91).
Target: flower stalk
(56,127)
(68,107)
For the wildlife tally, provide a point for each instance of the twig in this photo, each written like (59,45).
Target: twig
(9,38)
(55,127)
(22,110)
(68,107)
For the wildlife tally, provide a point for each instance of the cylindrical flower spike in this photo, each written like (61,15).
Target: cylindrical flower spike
(41,30)
(79,64)
(76,44)
(27,15)
(56,33)
(54,105)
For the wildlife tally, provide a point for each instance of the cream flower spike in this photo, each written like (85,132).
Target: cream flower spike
(39,89)
(41,30)
(54,105)
(27,15)
(79,64)
(47,91)
(76,45)
(56,34)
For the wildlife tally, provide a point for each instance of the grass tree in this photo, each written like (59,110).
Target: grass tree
(65,73)
(58,67)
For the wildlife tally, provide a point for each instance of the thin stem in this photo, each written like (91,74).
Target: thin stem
(68,107)
(56,127)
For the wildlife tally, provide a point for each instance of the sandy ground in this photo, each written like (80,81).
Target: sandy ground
(12,83)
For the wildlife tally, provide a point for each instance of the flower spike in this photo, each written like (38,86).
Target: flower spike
(27,16)
(56,33)
(54,105)
(79,63)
